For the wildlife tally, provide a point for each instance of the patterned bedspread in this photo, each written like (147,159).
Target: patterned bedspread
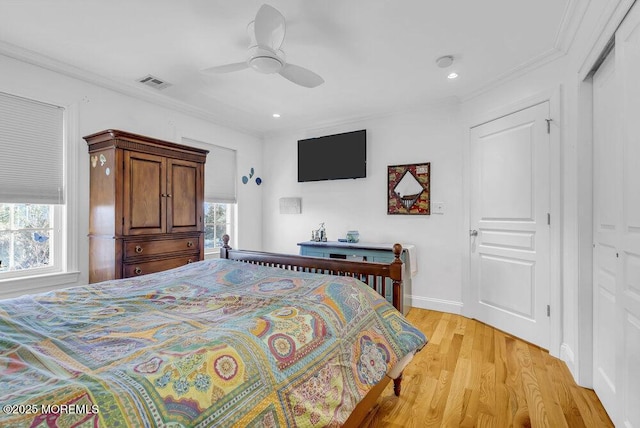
(215,343)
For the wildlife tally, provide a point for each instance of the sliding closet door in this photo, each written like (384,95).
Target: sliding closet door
(628,64)
(617,227)
(606,217)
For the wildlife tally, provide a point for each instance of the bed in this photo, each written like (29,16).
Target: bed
(251,339)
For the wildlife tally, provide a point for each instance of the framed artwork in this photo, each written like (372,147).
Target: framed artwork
(408,189)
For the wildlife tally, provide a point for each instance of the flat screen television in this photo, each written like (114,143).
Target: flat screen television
(333,157)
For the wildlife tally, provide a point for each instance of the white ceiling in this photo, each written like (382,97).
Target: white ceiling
(376,56)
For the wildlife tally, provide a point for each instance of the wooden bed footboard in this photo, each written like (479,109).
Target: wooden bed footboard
(373,274)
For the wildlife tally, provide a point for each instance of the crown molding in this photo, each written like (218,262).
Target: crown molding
(124,88)
(321,126)
(572,18)
(521,70)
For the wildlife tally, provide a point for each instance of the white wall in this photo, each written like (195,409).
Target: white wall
(93,108)
(432,135)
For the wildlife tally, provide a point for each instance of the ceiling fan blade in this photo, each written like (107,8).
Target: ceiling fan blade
(270,27)
(228,68)
(301,76)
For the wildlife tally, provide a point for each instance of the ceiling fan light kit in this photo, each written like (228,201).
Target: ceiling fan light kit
(265,64)
(265,60)
(266,34)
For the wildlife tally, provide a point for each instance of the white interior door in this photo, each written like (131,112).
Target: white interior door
(617,226)
(509,236)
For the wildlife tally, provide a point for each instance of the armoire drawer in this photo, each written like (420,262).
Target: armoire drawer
(153,248)
(137,269)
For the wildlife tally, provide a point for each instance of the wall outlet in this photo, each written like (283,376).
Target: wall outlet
(437,207)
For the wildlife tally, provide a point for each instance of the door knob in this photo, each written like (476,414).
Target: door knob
(473,232)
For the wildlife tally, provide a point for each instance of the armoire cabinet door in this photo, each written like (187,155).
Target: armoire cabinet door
(145,193)
(184,209)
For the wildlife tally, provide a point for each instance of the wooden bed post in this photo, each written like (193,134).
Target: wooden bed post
(396,385)
(225,247)
(396,274)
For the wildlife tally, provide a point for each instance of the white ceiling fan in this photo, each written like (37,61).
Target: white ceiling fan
(266,35)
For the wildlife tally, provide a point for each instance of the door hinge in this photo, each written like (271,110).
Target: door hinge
(549,219)
(548,125)
(548,310)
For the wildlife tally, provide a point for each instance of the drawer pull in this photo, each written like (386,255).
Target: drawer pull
(137,271)
(189,244)
(189,261)
(138,249)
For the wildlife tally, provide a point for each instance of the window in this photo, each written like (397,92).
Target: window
(218,220)
(219,194)
(32,195)
(28,238)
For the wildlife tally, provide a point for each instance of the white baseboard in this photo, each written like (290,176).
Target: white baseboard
(433,304)
(567,355)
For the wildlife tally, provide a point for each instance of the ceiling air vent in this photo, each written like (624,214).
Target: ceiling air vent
(154,82)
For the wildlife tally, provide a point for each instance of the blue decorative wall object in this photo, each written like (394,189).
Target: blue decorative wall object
(246,179)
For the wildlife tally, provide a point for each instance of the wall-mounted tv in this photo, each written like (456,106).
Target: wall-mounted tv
(333,157)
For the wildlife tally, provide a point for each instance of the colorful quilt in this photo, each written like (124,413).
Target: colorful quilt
(215,343)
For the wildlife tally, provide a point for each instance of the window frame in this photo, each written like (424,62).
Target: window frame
(230,217)
(56,248)
(67,271)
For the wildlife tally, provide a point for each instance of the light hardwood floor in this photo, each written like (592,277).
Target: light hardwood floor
(472,375)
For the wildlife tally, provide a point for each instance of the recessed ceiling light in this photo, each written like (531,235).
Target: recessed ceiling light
(276,115)
(452,75)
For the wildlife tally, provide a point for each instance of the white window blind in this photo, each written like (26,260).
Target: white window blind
(220,172)
(31,151)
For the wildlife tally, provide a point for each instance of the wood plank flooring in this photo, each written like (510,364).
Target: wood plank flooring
(472,375)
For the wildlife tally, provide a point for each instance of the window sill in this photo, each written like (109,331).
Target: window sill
(14,287)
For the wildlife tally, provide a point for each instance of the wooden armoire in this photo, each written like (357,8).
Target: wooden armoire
(146,205)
